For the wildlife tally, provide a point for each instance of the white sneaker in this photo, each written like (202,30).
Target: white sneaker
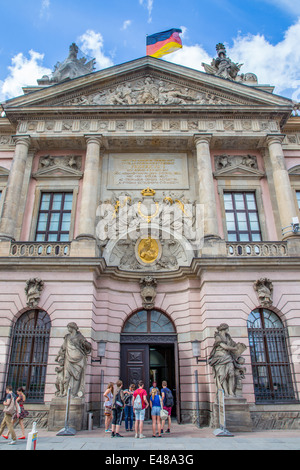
(136,436)
(142,436)
(11,443)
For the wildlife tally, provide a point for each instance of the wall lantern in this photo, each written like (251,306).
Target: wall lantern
(101,347)
(196,345)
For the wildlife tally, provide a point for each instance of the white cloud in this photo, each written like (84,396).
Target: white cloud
(23,71)
(277,65)
(190,56)
(45,9)
(288,6)
(149,5)
(126,24)
(92,44)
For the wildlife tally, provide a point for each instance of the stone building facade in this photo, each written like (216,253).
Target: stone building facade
(149,203)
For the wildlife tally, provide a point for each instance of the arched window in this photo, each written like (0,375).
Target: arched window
(148,321)
(269,357)
(29,354)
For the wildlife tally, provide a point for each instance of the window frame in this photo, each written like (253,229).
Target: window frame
(38,338)
(247,213)
(66,187)
(265,343)
(59,232)
(256,189)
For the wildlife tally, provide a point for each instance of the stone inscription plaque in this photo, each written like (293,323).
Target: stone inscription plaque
(139,171)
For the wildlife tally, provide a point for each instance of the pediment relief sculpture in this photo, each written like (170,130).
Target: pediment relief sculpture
(237,166)
(223,67)
(150,91)
(68,166)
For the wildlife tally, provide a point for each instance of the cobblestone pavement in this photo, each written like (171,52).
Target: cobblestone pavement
(184,437)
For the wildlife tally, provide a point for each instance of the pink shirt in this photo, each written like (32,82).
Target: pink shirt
(143,394)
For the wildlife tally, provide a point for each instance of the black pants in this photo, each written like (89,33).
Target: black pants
(117,416)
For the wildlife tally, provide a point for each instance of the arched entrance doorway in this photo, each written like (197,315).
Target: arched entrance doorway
(149,352)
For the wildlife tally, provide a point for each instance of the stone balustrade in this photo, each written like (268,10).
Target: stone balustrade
(31,249)
(258,249)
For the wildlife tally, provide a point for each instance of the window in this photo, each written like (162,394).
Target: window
(242,221)
(29,354)
(298,198)
(148,321)
(270,364)
(54,218)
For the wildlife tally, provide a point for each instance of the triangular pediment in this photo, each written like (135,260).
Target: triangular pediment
(237,166)
(147,82)
(57,171)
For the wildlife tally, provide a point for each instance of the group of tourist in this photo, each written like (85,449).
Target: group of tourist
(13,412)
(133,402)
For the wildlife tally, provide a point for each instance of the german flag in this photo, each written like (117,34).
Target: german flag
(163,43)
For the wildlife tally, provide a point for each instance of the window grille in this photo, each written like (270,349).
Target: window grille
(269,357)
(29,354)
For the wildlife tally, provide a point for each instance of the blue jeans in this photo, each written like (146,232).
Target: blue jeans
(128,416)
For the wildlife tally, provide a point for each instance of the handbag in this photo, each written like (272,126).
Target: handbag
(9,409)
(163,413)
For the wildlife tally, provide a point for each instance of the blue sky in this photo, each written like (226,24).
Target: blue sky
(264,35)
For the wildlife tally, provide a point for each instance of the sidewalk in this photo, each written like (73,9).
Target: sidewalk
(185,437)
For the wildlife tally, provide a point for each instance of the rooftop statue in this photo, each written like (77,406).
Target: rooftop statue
(223,67)
(70,68)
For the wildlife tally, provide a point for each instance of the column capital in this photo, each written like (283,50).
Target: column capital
(22,139)
(94,138)
(198,138)
(275,138)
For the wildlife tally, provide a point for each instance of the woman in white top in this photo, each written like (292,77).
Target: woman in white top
(108,395)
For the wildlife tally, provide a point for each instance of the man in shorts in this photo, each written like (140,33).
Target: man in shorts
(168,402)
(139,411)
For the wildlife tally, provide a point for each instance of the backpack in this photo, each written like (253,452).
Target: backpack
(137,405)
(168,400)
(118,402)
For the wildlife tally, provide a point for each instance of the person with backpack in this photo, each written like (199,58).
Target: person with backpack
(128,408)
(117,409)
(9,410)
(140,404)
(168,402)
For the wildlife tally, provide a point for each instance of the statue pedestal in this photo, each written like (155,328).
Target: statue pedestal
(57,414)
(237,415)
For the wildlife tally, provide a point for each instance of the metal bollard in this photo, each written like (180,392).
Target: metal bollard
(32,438)
(90,421)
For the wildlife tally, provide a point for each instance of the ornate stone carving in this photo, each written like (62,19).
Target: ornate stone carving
(148,234)
(149,91)
(225,161)
(226,361)
(70,68)
(223,67)
(72,360)
(264,290)
(33,291)
(148,291)
(67,161)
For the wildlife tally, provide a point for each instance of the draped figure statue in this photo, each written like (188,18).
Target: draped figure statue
(72,360)
(225,359)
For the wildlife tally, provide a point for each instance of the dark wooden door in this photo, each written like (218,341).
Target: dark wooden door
(134,364)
